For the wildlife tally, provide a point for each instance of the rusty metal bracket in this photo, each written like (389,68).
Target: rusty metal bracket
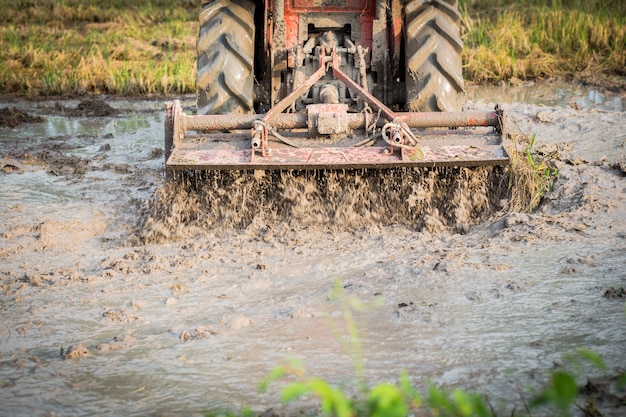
(175,126)
(260,126)
(300,90)
(327,119)
(259,137)
(401,131)
(386,112)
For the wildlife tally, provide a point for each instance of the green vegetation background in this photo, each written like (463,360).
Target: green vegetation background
(124,47)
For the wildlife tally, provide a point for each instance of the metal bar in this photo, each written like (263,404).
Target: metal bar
(373,101)
(355,120)
(449,119)
(293,96)
(244,121)
(337,158)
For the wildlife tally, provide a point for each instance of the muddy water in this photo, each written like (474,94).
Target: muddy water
(553,94)
(115,303)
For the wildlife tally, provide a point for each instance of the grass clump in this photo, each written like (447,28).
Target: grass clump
(533,173)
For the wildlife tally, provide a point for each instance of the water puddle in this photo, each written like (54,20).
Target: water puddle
(557,94)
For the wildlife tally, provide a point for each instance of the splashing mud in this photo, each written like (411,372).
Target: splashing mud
(421,198)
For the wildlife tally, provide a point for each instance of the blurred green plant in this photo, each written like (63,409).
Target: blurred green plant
(561,391)
(401,399)
(381,400)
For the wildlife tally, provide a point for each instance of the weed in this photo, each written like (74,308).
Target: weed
(562,392)
(402,399)
(544,174)
(381,400)
(532,174)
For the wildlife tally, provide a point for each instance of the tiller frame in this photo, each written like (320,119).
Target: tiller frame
(399,146)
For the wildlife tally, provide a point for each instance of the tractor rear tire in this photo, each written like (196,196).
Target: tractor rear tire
(225,46)
(433,48)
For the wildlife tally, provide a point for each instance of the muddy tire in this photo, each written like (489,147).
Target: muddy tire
(433,47)
(225,77)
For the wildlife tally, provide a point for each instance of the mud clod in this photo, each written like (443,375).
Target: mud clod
(117,343)
(200,333)
(75,352)
(119,316)
(91,107)
(11,168)
(13,117)
(613,293)
(156,153)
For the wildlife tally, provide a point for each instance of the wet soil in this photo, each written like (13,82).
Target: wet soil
(13,117)
(120,294)
(90,107)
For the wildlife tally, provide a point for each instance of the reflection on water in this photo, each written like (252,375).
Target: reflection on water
(36,188)
(558,94)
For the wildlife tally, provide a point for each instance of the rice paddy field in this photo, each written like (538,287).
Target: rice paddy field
(125,294)
(130,48)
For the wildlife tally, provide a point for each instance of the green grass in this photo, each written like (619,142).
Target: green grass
(535,39)
(74,47)
(532,174)
(111,47)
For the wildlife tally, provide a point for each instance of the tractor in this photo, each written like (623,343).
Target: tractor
(330,84)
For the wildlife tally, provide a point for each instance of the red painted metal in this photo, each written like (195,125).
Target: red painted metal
(365,9)
(278,108)
(337,158)
(395,32)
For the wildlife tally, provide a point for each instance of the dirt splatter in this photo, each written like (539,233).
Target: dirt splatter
(613,293)
(11,166)
(431,199)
